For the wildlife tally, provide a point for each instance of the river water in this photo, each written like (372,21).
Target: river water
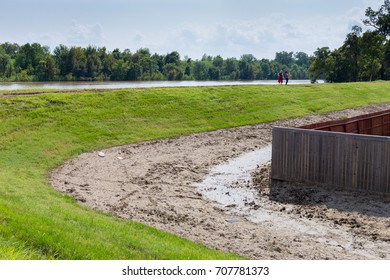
(132,84)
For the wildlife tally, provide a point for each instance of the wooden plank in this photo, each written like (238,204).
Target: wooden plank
(350,161)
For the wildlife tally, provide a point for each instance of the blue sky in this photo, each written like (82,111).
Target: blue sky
(228,28)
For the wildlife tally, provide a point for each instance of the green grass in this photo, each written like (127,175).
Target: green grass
(39,132)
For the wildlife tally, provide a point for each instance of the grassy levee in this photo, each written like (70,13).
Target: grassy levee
(39,132)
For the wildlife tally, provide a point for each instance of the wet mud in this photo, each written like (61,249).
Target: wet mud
(204,187)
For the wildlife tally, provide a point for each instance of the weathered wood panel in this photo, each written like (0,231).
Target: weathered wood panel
(350,161)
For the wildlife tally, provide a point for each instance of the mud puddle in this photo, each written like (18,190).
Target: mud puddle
(230,186)
(222,185)
(173,185)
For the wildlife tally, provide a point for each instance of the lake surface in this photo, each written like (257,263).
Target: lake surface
(146,84)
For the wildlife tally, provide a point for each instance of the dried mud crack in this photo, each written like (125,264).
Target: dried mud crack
(155,183)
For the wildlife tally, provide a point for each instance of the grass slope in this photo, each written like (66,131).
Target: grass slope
(39,132)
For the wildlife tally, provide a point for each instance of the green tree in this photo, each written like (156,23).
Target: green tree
(371,56)
(76,63)
(214,73)
(46,69)
(247,67)
(302,59)
(11,49)
(62,59)
(266,72)
(134,71)
(385,71)
(350,51)
(173,72)
(201,71)
(29,56)
(156,66)
(318,66)
(218,62)
(107,61)
(173,57)
(285,58)
(380,19)
(94,63)
(336,67)
(120,69)
(4,61)
(232,69)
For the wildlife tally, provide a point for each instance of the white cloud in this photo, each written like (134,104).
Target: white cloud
(261,37)
(226,27)
(86,34)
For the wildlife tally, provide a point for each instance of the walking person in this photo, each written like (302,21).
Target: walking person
(280,78)
(286,76)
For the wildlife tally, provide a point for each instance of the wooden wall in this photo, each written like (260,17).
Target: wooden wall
(350,161)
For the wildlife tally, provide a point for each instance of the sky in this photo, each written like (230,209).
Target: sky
(229,28)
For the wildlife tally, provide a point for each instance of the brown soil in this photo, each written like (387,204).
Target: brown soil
(155,183)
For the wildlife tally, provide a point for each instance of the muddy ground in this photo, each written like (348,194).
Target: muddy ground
(155,183)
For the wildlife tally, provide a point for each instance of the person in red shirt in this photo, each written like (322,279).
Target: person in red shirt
(280,78)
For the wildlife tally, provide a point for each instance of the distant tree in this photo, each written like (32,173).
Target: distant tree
(134,71)
(302,59)
(76,62)
(318,66)
(62,59)
(214,73)
(46,70)
(157,62)
(29,56)
(207,57)
(232,69)
(10,49)
(107,61)
(35,62)
(285,58)
(336,67)
(360,58)
(372,52)
(4,61)
(93,64)
(247,70)
(350,51)
(218,61)
(265,67)
(173,57)
(249,58)
(116,53)
(120,69)
(201,71)
(385,71)
(173,72)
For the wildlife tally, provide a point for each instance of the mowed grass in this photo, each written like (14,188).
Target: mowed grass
(39,132)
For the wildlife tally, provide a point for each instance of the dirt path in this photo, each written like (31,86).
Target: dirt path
(157,183)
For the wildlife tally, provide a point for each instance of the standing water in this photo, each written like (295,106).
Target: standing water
(221,183)
(228,184)
(133,84)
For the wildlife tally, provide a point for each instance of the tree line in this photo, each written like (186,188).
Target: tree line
(364,56)
(34,62)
